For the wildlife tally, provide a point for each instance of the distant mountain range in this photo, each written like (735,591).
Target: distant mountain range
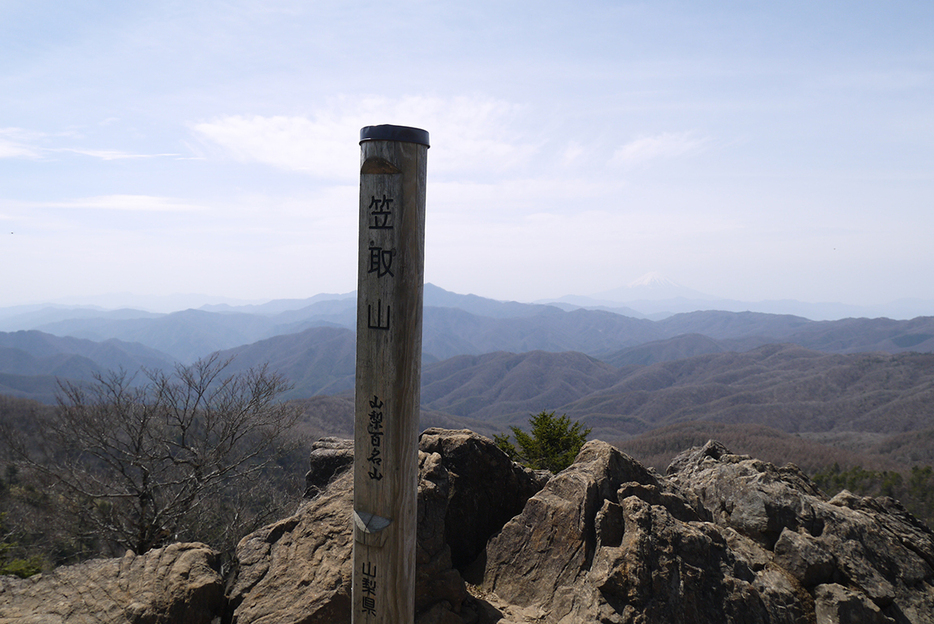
(656,297)
(77,342)
(466,324)
(487,364)
(31,362)
(651,296)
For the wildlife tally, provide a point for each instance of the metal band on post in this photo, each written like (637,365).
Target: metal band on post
(390,278)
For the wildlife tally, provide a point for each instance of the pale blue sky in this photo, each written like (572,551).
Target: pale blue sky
(750,150)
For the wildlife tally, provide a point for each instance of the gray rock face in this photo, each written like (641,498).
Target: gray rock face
(608,541)
(756,498)
(721,538)
(870,546)
(329,457)
(835,604)
(486,489)
(298,570)
(178,583)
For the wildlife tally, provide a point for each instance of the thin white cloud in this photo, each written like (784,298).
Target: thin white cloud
(14,143)
(108,154)
(19,143)
(467,134)
(292,143)
(130,203)
(664,145)
(9,149)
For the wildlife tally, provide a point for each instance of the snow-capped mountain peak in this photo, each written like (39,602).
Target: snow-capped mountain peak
(653,279)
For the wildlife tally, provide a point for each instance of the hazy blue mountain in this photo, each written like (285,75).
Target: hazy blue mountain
(449,331)
(720,325)
(320,360)
(466,324)
(60,365)
(501,383)
(437,297)
(161,304)
(35,318)
(434,296)
(657,309)
(677,348)
(863,334)
(186,335)
(278,306)
(42,388)
(191,334)
(108,354)
(571,303)
(656,297)
(33,362)
(331,312)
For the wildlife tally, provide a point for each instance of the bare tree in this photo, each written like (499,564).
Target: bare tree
(141,464)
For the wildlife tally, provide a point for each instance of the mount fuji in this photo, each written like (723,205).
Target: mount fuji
(652,286)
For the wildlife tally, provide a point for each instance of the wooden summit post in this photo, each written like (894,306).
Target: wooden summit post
(390,278)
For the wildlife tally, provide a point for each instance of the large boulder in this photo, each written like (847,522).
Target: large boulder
(486,489)
(608,540)
(178,583)
(872,547)
(756,498)
(329,458)
(299,569)
(721,539)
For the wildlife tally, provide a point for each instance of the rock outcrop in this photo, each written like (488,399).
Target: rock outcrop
(329,458)
(866,557)
(298,570)
(178,583)
(720,538)
(486,489)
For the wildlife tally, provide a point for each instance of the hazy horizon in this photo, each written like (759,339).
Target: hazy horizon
(652,295)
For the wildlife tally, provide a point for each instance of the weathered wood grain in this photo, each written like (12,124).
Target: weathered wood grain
(388,371)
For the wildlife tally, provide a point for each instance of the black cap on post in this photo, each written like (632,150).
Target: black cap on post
(394,133)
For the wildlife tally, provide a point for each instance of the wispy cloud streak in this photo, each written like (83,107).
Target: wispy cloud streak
(127,203)
(664,145)
(468,134)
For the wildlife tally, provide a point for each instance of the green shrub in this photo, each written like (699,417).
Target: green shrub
(9,565)
(553,444)
(23,568)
